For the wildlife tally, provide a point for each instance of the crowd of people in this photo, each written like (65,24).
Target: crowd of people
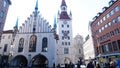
(98,65)
(93,65)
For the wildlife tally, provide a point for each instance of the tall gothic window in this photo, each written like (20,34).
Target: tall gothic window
(44,44)
(66,50)
(32,43)
(21,43)
(5,47)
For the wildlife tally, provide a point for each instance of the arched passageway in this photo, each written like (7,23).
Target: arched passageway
(67,60)
(18,60)
(39,61)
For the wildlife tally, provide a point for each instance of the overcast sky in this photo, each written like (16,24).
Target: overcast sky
(82,11)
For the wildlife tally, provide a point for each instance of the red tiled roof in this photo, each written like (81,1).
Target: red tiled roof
(64,15)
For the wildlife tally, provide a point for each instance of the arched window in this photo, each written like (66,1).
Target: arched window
(119,19)
(21,44)
(1,14)
(32,43)
(44,44)
(5,47)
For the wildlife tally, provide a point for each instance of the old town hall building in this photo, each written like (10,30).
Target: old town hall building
(33,43)
(36,42)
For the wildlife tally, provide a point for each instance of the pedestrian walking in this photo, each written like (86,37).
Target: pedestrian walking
(58,66)
(21,65)
(112,64)
(78,65)
(30,65)
(97,65)
(90,65)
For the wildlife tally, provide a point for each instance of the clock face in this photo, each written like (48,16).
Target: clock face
(65,34)
(65,22)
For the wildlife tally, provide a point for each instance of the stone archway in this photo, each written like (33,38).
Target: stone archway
(67,60)
(39,61)
(19,59)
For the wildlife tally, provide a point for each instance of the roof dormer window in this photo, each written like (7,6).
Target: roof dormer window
(111,2)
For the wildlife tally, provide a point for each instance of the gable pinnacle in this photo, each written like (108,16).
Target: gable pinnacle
(36,7)
(16,25)
(55,25)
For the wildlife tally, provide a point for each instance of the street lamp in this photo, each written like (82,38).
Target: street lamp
(29,58)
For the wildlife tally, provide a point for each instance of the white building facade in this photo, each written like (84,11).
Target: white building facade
(88,49)
(78,44)
(6,41)
(65,47)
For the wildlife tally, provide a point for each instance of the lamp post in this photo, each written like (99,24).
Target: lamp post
(29,58)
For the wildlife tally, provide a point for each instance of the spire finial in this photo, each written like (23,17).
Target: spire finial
(16,25)
(36,7)
(55,22)
(63,3)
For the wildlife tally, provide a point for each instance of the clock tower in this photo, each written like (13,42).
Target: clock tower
(65,47)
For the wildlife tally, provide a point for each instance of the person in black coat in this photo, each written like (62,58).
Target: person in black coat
(97,65)
(90,65)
